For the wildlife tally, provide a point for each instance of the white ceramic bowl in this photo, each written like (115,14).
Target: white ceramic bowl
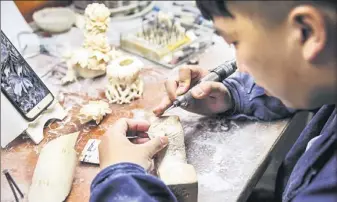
(54,20)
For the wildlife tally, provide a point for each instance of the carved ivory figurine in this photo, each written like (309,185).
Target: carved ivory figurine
(92,58)
(94,110)
(171,163)
(125,83)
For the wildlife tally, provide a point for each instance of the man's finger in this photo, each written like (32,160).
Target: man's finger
(184,80)
(155,145)
(193,71)
(165,104)
(142,134)
(171,88)
(186,75)
(207,88)
(140,140)
(123,125)
(119,127)
(137,125)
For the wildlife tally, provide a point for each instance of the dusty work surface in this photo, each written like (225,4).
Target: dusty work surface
(225,160)
(225,154)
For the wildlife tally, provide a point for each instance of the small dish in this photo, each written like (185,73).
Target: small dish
(55,19)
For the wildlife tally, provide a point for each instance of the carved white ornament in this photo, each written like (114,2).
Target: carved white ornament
(92,58)
(125,85)
(94,110)
(97,17)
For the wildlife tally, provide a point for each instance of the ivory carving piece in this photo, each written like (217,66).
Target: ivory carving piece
(92,58)
(94,110)
(55,169)
(125,84)
(171,163)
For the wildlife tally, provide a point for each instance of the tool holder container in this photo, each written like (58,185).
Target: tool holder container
(163,53)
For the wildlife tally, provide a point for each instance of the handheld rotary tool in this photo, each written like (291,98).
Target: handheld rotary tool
(218,74)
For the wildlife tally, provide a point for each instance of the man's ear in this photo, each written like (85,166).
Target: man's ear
(313,30)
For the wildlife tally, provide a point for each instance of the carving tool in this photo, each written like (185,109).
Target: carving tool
(218,74)
(143,30)
(12,185)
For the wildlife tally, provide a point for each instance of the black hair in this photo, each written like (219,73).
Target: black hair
(273,11)
(212,8)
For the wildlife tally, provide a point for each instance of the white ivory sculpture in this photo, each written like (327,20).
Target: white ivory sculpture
(125,83)
(55,170)
(94,110)
(171,163)
(92,58)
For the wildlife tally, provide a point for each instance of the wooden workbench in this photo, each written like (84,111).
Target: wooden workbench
(228,162)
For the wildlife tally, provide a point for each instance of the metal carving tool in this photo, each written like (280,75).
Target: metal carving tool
(13,185)
(143,30)
(218,74)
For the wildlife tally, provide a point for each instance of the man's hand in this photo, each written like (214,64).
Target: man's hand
(116,148)
(211,97)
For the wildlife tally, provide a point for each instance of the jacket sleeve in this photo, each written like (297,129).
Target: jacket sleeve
(251,102)
(128,182)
